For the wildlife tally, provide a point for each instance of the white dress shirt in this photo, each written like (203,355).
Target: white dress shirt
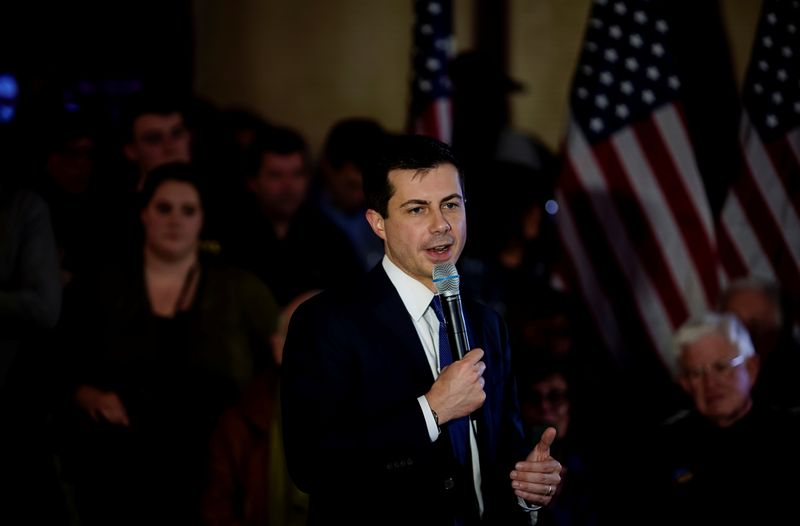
(417,299)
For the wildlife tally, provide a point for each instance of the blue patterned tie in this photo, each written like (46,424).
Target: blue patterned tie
(458,428)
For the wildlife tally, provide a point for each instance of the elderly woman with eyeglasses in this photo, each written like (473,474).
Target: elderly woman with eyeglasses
(726,460)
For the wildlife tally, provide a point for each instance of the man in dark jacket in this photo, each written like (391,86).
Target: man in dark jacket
(370,412)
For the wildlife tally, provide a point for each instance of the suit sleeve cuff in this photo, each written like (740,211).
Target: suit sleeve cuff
(526,506)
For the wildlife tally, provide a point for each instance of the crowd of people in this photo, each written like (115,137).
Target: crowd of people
(149,271)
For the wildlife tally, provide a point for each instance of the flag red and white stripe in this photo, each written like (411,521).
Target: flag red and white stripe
(759,232)
(430,112)
(634,219)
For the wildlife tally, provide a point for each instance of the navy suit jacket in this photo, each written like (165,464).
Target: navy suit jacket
(355,436)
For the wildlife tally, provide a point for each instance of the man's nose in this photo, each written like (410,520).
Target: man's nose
(169,145)
(440,223)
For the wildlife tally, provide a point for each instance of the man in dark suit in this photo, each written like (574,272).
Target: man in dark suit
(368,411)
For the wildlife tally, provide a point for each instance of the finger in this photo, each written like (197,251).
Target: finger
(537,491)
(108,414)
(542,449)
(118,418)
(116,414)
(122,414)
(546,471)
(475,355)
(531,494)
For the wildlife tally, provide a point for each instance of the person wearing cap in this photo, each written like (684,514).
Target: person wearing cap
(490,148)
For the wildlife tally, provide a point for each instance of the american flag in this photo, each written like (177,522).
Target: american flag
(634,219)
(760,229)
(431,112)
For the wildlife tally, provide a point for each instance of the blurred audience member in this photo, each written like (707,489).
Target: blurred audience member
(69,163)
(348,149)
(249,482)
(702,458)
(543,390)
(30,303)
(243,126)
(513,265)
(546,399)
(279,233)
(153,131)
(162,346)
(156,133)
(486,141)
(758,305)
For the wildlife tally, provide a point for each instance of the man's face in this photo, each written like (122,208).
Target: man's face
(71,166)
(158,139)
(346,186)
(546,403)
(717,379)
(426,222)
(759,314)
(281,184)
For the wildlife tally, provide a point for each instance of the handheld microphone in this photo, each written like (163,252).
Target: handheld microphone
(446,281)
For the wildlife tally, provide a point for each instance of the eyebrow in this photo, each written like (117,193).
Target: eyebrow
(414,202)
(424,202)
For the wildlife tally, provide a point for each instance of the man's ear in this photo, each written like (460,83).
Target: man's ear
(376,221)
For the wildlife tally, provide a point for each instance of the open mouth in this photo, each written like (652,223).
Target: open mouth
(439,252)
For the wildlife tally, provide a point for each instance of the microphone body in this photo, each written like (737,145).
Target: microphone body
(456,327)
(447,281)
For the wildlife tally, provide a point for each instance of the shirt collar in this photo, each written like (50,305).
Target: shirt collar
(415,296)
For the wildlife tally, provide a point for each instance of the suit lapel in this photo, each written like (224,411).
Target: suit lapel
(392,316)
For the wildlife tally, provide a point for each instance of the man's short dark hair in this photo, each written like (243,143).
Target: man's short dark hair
(280,140)
(403,152)
(353,140)
(150,102)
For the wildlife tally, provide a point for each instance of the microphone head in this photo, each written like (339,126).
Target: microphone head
(445,279)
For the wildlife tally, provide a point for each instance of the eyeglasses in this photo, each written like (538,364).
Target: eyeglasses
(719,368)
(553,397)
